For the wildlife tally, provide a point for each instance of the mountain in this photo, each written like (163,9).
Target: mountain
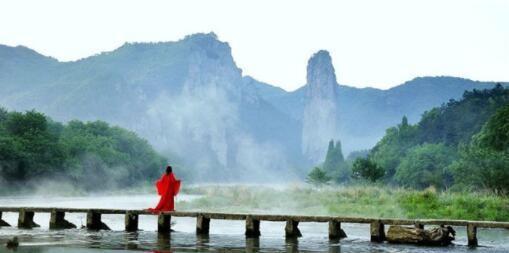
(189,99)
(365,113)
(320,115)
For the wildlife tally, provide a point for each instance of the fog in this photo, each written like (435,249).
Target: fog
(203,125)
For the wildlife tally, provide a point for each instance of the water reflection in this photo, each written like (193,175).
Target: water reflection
(163,241)
(131,240)
(334,246)
(94,240)
(292,245)
(202,242)
(252,245)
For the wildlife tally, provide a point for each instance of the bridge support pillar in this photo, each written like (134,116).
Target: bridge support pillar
(252,227)
(131,221)
(26,219)
(292,229)
(377,231)
(335,231)
(94,221)
(2,222)
(202,225)
(472,235)
(57,221)
(164,224)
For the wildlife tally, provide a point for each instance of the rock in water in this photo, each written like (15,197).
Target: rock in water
(438,236)
(13,243)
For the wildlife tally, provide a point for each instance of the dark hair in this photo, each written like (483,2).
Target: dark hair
(168,169)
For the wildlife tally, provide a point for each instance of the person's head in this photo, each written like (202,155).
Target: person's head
(168,170)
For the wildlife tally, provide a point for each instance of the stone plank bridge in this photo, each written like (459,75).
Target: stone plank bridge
(377,230)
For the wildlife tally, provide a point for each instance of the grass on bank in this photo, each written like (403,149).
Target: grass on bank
(366,201)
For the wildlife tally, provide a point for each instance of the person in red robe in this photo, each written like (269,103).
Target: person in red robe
(167,187)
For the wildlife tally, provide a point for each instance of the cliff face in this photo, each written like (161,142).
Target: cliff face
(204,114)
(320,116)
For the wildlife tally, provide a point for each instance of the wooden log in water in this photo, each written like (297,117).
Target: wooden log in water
(2,222)
(202,225)
(26,219)
(252,227)
(57,221)
(400,234)
(438,236)
(94,221)
(292,229)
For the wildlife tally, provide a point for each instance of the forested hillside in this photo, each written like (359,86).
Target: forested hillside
(463,144)
(92,155)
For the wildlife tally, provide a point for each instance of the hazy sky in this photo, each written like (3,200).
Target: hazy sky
(372,43)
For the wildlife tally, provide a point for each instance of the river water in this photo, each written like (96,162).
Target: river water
(225,236)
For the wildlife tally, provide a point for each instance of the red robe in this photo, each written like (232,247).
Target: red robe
(167,187)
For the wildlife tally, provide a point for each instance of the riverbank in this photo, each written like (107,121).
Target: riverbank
(367,201)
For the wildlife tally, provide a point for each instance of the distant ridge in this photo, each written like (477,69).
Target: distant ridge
(189,99)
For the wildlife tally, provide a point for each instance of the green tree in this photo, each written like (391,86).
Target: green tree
(495,134)
(33,147)
(335,164)
(3,114)
(452,125)
(484,162)
(388,152)
(364,168)
(317,177)
(457,121)
(100,152)
(480,168)
(425,165)
(357,154)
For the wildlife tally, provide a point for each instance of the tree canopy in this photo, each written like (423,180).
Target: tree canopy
(92,154)
(335,165)
(461,144)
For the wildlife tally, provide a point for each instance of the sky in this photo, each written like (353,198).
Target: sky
(372,43)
